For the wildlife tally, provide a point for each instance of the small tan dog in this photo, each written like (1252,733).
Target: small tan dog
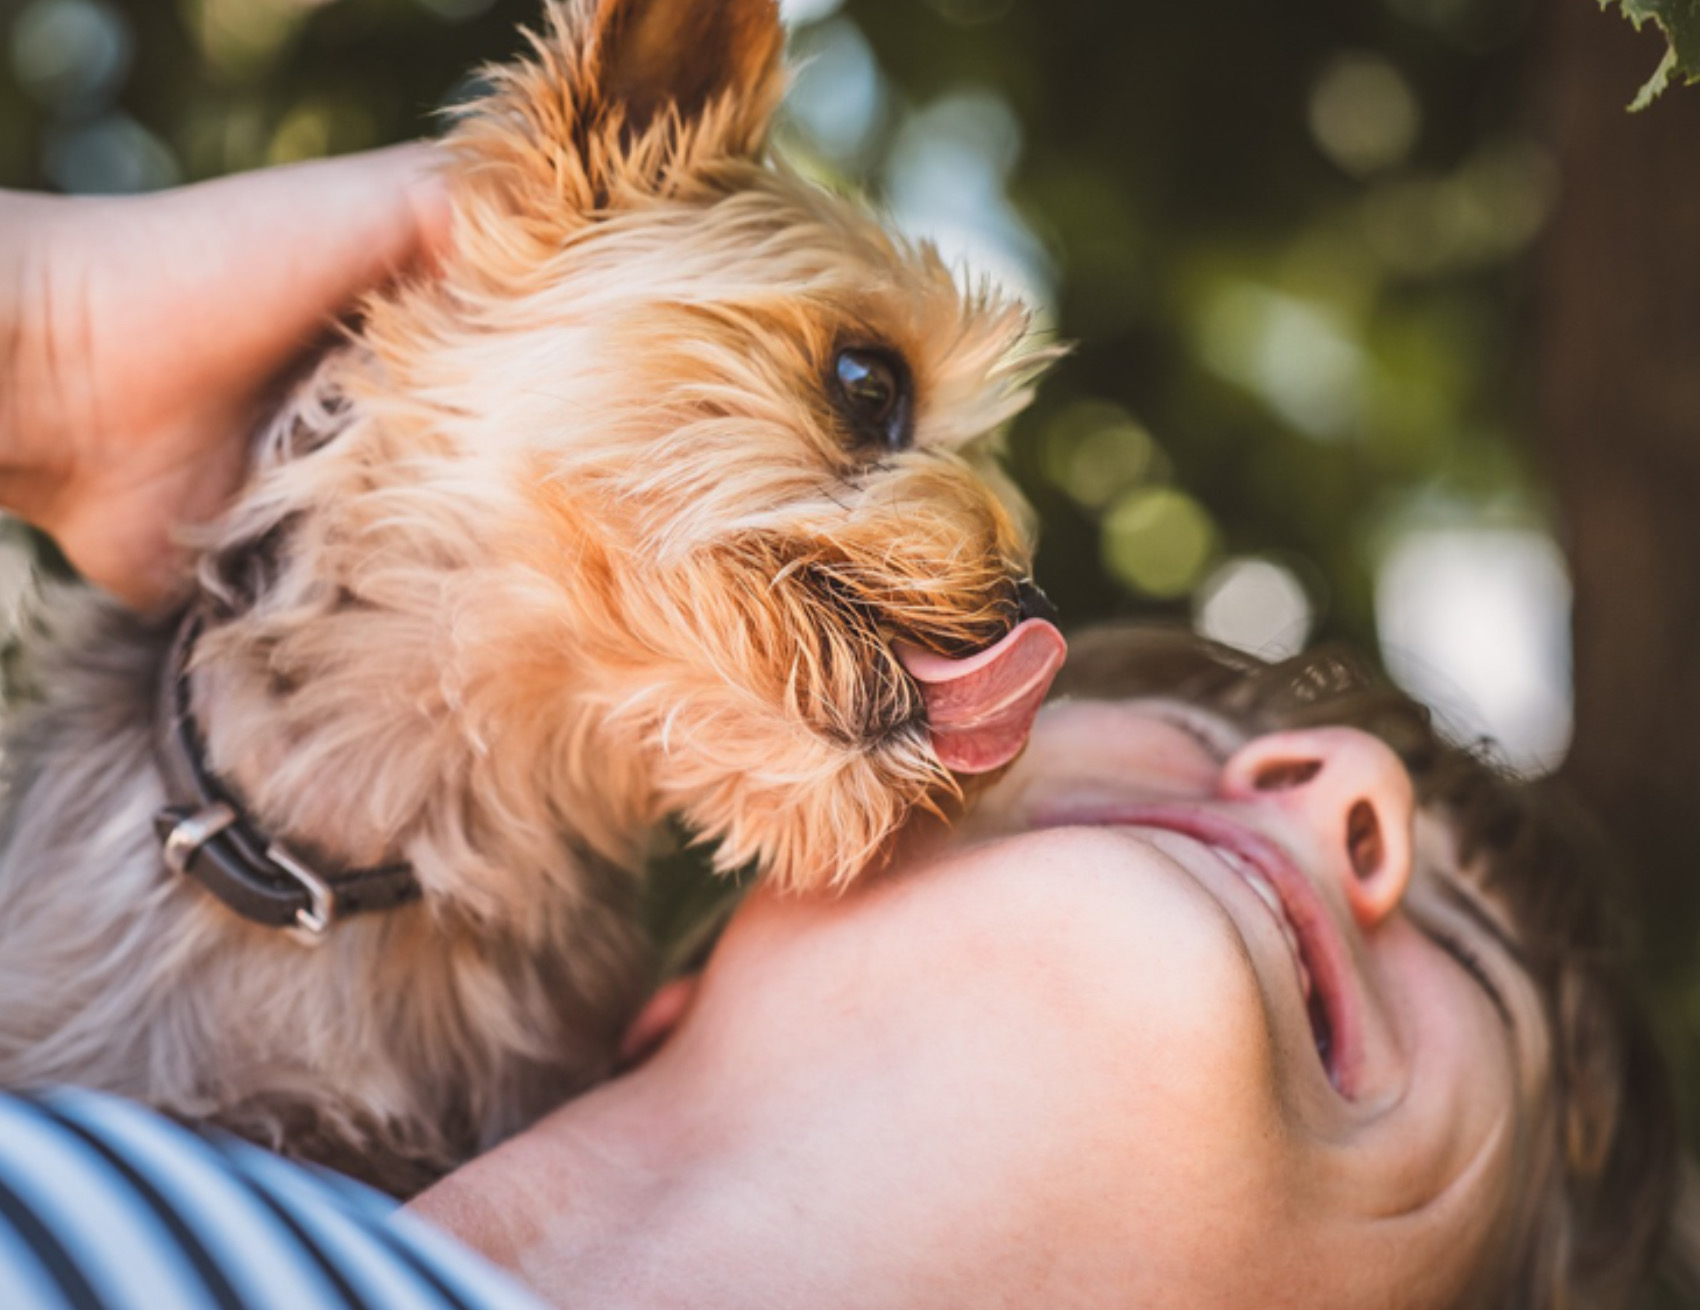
(663,498)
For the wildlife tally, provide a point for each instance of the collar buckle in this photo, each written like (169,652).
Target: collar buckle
(315,917)
(193,831)
(205,835)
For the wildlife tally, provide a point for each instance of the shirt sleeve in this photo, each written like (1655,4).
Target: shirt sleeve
(107,1206)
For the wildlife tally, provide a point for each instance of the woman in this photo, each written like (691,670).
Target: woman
(1207,1006)
(1200,1009)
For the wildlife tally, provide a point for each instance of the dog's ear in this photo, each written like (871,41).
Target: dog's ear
(622,97)
(647,55)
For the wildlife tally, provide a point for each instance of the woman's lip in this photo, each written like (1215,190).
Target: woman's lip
(1320,941)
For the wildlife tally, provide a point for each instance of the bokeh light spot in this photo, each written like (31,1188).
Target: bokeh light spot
(1492,208)
(70,55)
(1255,605)
(322,126)
(1158,541)
(945,179)
(114,155)
(1363,114)
(838,99)
(1094,451)
(801,12)
(1476,621)
(1299,356)
(240,39)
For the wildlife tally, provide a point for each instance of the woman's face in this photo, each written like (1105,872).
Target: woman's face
(1178,1018)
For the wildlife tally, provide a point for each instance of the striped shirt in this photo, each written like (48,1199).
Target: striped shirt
(107,1206)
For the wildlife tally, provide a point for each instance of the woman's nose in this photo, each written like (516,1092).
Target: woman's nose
(1348,789)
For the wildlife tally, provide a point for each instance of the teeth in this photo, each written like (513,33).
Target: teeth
(1253,878)
(1268,896)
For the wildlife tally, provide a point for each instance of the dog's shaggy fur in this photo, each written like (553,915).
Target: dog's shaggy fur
(569,537)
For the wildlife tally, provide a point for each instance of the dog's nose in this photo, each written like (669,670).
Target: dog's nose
(1033,603)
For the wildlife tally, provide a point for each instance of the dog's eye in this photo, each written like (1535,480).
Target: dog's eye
(871,389)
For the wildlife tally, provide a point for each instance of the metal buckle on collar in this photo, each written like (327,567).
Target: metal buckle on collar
(206,836)
(315,917)
(194,832)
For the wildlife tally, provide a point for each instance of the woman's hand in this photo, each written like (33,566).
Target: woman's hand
(141,339)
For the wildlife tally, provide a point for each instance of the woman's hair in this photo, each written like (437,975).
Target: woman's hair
(1607,1177)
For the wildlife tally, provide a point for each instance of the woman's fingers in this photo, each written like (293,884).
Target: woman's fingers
(200,296)
(168,320)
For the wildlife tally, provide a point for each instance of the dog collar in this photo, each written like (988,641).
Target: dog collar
(205,834)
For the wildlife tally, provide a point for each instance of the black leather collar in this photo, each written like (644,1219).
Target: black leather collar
(205,834)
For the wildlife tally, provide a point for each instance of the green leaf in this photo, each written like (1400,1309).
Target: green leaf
(1679,20)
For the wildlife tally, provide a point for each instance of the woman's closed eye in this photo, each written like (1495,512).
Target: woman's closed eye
(1470,961)
(1214,737)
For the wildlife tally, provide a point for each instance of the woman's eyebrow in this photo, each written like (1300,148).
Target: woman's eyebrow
(1478,914)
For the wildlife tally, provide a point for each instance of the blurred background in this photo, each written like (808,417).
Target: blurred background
(1387,312)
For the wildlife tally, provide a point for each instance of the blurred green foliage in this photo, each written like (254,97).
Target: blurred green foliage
(1283,237)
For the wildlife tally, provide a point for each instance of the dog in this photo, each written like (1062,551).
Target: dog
(666,495)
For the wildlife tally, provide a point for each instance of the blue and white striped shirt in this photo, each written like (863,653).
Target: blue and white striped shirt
(107,1206)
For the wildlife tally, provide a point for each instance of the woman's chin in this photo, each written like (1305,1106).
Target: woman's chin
(1119,975)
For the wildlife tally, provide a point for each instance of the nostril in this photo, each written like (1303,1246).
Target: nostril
(1363,840)
(1284,775)
(1033,603)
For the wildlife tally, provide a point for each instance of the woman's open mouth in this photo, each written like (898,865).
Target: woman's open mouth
(1319,952)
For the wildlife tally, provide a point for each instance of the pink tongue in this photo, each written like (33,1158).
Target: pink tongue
(981,709)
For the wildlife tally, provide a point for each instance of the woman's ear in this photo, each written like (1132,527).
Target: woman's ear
(655,1023)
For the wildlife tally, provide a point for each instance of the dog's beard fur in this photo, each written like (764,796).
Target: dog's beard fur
(569,537)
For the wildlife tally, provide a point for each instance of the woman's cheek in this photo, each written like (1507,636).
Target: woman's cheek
(1149,974)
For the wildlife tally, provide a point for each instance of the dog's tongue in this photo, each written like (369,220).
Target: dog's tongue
(980,709)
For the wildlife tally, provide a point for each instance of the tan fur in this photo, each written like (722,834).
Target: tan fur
(567,539)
